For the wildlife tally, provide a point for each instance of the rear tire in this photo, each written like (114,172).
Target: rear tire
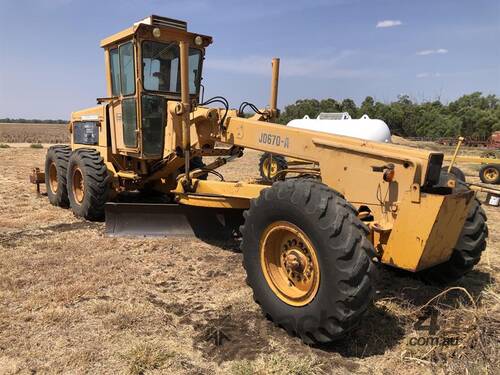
(342,251)
(467,252)
(455,171)
(88,184)
(56,167)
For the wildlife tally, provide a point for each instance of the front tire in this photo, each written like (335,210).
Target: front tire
(88,184)
(466,253)
(308,260)
(56,167)
(455,171)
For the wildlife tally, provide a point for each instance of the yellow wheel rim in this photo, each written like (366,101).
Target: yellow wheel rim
(289,263)
(53,177)
(490,174)
(78,185)
(270,168)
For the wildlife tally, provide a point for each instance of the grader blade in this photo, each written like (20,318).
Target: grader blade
(165,220)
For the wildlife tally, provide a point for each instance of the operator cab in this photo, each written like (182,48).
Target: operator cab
(143,72)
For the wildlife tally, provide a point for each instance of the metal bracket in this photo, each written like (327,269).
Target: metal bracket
(415,193)
(37,178)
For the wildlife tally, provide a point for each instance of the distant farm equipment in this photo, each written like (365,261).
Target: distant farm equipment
(491,142)
(490,169)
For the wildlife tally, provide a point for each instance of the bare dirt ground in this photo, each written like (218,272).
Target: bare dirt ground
(75,301)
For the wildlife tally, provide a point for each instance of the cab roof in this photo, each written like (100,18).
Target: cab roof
(176,27)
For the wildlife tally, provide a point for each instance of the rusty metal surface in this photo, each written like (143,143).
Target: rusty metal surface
(37,177)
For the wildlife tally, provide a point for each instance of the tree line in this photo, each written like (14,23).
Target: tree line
(474,115)
(31,121)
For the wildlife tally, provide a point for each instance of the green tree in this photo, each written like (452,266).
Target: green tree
(473,115)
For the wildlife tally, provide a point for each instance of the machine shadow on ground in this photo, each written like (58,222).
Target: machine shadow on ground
(399,297)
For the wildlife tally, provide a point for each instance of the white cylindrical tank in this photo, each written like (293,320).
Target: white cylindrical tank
(342,124)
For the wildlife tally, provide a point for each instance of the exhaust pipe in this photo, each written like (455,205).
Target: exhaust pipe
(273,102)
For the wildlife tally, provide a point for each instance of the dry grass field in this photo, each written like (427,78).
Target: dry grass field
(75,301)
(33,133)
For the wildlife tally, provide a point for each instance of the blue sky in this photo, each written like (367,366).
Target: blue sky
(51,63)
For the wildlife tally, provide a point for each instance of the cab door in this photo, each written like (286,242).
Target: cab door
(124,106)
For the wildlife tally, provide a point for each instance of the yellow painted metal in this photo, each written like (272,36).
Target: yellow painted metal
(425,233)
(471,159)
(218,194)
(119,36)
(128,175)
(411,229)
(270,167)
(146,31)
(213,201)
(289,263)
(460,140)
(53,177)
(184,105)
(273,102)
(465,158)
(343,161)
(78,187)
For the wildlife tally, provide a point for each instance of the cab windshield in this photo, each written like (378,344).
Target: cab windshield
(161,67)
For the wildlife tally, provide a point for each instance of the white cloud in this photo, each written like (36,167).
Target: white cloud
(428,75)
(426,52)
(388,23)
(324,67)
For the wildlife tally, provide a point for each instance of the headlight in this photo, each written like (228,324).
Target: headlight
(198,40)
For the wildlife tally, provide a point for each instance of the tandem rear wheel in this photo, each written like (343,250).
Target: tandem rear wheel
(270,165)
(56,167)
(467,251)
(88,184)
(308,260)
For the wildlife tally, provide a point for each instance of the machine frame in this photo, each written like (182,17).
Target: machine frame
(355,168)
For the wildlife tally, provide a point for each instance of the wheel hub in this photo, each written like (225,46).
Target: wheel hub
(271,168)
(53,177)
(289,263)
(295,261)
(78,185)
(491,174)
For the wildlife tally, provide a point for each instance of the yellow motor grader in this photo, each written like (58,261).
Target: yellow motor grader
(310,240)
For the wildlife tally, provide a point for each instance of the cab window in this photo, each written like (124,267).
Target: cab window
(127,68)
(122,70)
(115,72)
(161,67)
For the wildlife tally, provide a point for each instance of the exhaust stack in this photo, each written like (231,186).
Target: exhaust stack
(273,102)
